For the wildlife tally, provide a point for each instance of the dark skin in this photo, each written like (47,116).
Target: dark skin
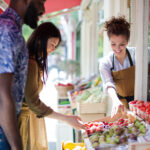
(8,120)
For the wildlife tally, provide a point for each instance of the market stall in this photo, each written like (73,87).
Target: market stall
(87,99)
(128,131)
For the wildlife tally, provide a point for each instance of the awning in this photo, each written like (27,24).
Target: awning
(57,5)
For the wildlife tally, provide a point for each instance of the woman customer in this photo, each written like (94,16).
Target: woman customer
(41,43)
(118,68)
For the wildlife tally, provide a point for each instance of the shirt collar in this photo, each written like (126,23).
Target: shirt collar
(10,12)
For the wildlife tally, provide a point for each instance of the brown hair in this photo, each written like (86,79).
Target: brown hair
(117,26)
(37,43)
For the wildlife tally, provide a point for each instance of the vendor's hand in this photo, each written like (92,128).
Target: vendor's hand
(118,107)
(75,122)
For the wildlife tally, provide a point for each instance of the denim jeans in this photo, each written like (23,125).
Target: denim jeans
(3,142)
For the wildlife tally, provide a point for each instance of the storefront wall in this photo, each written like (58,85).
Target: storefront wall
(89,38)
(141,80)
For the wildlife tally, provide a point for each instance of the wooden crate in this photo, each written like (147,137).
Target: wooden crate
(139,146)
(89,108)
(90,117)
(91,111)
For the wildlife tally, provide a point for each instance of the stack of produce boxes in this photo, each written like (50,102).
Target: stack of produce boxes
(141,109)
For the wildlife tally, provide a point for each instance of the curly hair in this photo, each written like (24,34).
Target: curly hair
(118,26)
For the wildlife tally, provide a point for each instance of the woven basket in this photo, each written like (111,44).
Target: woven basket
(62,91)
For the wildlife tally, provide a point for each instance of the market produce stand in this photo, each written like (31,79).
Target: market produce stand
(88,101)
(125,131)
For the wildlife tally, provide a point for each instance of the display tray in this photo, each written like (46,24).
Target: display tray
(130,146)
(141,143)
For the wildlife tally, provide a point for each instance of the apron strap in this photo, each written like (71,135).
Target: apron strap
(112,68)
(130,59)
(129,56)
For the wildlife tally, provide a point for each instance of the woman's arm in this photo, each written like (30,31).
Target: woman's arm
(117,104)
(109,85)
(32,91)
(39,108)
(72,120)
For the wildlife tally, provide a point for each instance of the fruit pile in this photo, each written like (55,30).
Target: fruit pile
(119,132)
(68,145)
(64,85)
(141,109)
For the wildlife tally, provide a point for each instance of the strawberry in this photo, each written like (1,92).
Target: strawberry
(121,120)
(133,102)
(147,104)
(105,123)
(98,129)
(111,124)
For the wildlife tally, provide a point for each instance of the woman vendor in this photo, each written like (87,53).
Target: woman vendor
(117,69)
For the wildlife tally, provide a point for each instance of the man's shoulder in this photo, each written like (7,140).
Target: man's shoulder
(7,25)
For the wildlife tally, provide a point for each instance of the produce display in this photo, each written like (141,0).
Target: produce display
(92,95)
(88,90)
(62,89)
(68,145)
(64,85)
(141,109)
(120,132)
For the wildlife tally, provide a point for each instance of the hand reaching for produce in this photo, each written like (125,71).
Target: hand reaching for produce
(118,107)
(72,120)
(75,122)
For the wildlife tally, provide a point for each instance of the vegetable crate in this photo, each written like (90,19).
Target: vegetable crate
(139,146)
(91,111)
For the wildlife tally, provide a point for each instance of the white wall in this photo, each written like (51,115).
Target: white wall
(141,73)
(113,8)
(89,39)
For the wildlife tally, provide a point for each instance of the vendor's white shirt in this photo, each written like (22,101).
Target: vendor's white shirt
(106,65)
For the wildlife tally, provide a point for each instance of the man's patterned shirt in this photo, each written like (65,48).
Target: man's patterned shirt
(13,53)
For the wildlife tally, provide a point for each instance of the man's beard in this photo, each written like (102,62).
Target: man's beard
(31,16)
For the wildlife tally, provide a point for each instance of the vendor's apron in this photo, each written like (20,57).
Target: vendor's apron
(124,81)
(32,130)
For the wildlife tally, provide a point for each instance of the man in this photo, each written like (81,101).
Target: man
(13,66)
